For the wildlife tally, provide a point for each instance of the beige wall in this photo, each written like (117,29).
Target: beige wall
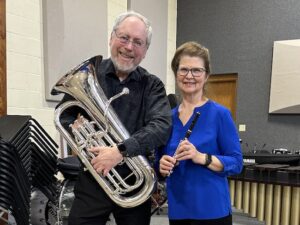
(25,79)
(172,24)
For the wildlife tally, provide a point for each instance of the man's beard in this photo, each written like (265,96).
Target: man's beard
(122,68)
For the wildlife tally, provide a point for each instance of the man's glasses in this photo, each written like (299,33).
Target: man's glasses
(196,72)
(125,39)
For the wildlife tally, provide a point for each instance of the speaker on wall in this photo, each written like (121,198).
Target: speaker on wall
(285,91)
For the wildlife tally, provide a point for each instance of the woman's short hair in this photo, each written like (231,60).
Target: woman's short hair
(192,49)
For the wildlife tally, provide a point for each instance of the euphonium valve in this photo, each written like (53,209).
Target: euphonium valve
(101,127)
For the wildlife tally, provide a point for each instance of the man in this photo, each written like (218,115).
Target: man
(145,112)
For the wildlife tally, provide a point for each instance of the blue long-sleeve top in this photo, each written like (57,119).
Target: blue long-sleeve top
(194,191)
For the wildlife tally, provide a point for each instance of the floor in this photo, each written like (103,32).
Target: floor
(239,218)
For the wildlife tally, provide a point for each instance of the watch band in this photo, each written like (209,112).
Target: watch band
(207,160)
(122,148)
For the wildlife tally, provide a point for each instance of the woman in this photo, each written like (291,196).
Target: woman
(201,152)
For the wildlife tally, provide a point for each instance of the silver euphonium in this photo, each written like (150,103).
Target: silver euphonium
(102,128)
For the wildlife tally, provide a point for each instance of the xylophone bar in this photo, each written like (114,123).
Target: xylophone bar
(269,192)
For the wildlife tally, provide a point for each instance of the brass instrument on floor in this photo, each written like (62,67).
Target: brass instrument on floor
(104,129)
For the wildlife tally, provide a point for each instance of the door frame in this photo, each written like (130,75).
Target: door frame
(3,87)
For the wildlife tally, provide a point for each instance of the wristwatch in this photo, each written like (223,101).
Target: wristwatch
(207,160)
(122,148)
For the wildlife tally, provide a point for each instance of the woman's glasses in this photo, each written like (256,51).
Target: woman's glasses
(196,72)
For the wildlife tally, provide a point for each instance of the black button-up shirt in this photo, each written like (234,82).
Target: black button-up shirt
(145,111)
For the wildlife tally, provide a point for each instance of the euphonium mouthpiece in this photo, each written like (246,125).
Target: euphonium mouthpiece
(125,91)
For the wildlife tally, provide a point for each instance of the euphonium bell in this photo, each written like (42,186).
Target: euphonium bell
(102,128)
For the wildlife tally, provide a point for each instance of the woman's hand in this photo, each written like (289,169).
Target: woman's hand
(186,150)
(166,165)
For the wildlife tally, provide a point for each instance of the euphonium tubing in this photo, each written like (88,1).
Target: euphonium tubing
(82,85)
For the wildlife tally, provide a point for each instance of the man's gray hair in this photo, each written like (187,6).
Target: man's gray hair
(147,23)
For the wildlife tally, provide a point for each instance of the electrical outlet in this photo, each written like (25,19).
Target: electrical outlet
(242,127)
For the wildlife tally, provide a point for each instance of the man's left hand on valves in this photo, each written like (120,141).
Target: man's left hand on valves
(105,158)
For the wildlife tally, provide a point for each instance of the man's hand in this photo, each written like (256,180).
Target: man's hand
(105,159)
